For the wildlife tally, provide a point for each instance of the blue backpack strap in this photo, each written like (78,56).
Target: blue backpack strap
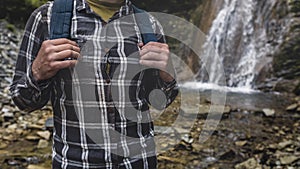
(61,18)
(145,25)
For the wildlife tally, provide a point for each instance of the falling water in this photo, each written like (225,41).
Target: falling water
(239,39)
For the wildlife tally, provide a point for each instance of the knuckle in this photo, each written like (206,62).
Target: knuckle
(52,57)
(70,53)
(164,57)
(46,42)
(51,65)
(65,40)
(48,49)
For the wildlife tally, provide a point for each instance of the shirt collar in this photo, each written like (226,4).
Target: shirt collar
(126,9)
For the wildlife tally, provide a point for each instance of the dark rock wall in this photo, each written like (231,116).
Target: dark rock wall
(286,61)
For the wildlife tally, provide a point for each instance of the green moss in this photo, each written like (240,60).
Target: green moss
(36,3)
(11,27)
(295,6)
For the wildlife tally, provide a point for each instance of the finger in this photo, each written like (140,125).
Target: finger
(58,65)
(153,49)
(65,54)
(140,44)
(61,41)
(158,44)
(63,47)
(154,64)
(154,56)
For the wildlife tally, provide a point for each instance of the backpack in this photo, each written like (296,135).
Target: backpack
(61,18)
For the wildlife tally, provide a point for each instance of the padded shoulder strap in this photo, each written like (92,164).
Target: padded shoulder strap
(61,18)
(145,25)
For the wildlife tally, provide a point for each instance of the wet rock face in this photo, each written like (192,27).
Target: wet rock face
(275,30)
(286,64)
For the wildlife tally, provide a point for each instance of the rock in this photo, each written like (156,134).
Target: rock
(31,166)
(241,143)
(19,131)
(163,130)
(6,109)
(197,147)
(13,126)
(7,116)
(187,139)
(44,134)
(32,138)
(3,145)
(292,107)
(42,144)
(250,163)
(269,112)
(210,160)
(4,152)
(227,155)
(180,130)
(227,109)
(9,138)
(41,122)
(289,159)
(284,144)
(273,146)
(34,126)
(7,113)
(13,162)
(175,160)
(203,109)
(49,124)
(284,85)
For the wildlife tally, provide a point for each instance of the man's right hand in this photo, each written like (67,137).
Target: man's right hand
(53,56)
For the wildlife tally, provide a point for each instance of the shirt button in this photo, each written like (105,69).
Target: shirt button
(107,80)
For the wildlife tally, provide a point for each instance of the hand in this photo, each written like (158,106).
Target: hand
(53,56)
(156,55)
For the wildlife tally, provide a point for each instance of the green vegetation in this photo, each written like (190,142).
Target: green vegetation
(18,11)
(176,7)
(11,27)
(295,6)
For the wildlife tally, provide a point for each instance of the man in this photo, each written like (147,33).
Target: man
(94,126)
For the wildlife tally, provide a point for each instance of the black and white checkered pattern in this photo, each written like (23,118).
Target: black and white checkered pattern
(101,112)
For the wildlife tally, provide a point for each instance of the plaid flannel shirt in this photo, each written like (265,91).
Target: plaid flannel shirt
(101,107)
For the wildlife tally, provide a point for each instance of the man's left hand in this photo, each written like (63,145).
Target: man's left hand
(156,55)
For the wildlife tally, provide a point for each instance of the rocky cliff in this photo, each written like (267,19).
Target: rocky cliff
(268,41)
(286,61)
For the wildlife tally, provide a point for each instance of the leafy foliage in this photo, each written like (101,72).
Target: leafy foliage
(17,11)
(178,7)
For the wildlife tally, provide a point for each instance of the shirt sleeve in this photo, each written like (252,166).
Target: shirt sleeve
(27,93)
(159,94)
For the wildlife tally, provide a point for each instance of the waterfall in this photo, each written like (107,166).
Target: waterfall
(238,36)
